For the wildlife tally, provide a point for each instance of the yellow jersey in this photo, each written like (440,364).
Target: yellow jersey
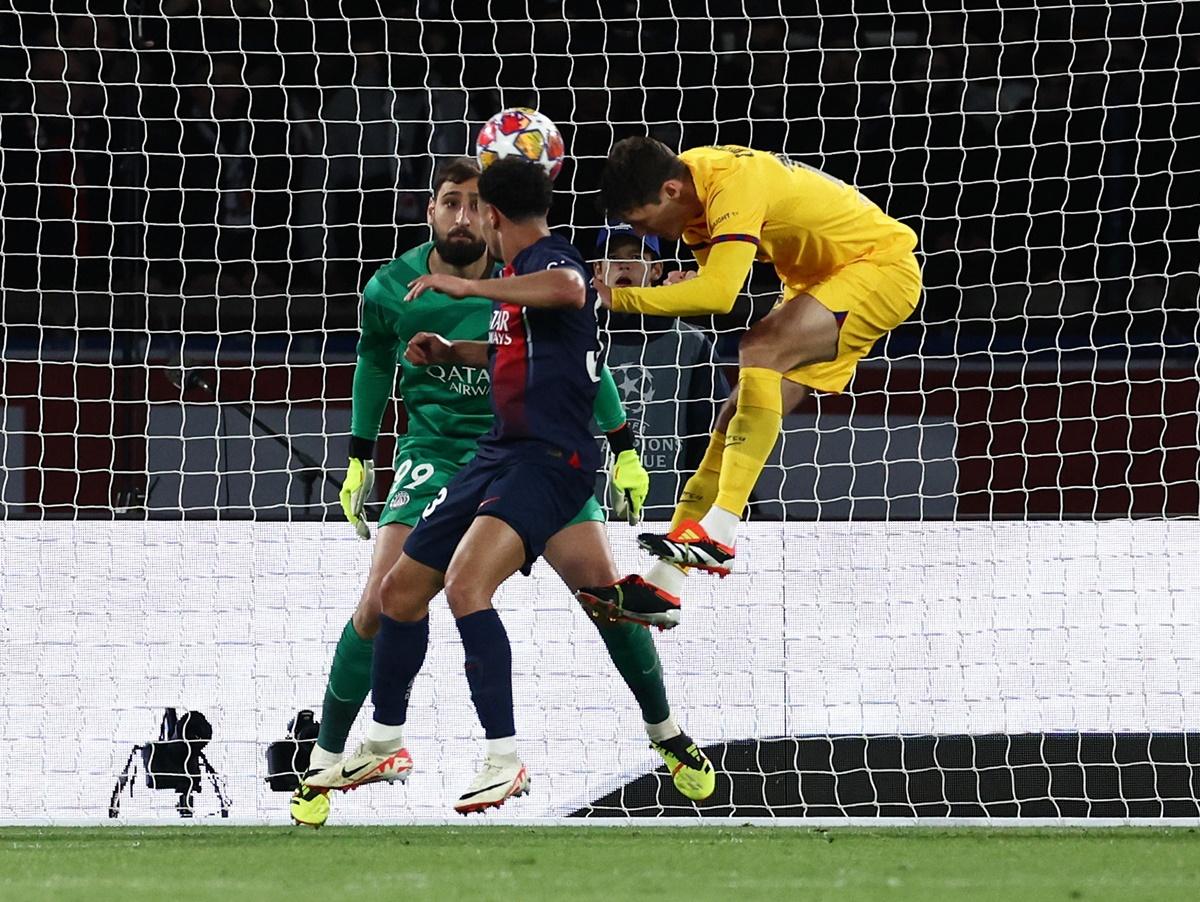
(808,224)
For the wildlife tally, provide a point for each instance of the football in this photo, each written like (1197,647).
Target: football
(522,132)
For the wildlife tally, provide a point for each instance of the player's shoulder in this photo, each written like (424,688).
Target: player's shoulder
(718,164)
(390,282)
(548,253)
(417,258)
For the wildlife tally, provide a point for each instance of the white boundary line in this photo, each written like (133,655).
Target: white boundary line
(794,823)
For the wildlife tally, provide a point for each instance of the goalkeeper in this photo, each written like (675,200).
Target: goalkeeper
(849,277)
(448,411)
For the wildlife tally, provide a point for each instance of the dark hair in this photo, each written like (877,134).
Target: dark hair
(455,170)
(634,174)
(517,188)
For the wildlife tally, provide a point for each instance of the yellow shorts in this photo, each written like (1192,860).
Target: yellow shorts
(875,298)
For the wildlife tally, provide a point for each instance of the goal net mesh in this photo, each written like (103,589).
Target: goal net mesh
(966,586)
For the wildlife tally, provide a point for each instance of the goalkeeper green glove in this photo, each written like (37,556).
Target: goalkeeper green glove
(629,481)
(360,479)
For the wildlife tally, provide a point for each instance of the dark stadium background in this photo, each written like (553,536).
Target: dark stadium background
(1046,157)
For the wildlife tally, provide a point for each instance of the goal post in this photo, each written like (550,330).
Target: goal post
(966,589)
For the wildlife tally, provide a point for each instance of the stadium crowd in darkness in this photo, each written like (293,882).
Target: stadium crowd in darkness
(236,166)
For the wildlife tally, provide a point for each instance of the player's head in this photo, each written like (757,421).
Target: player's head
(513,192)
(648,186)
(625,259)
(453,212)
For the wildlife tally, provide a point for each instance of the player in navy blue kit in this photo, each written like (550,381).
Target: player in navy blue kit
(531,475)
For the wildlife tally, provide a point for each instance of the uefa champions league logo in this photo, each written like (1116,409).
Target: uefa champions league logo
(635,384)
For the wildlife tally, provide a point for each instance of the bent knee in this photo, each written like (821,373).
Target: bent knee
(464,596)
(800,333)
(757,340)
(366,615)
(762,347)
(396,599)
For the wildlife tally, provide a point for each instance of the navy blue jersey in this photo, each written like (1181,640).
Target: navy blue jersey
(545,366)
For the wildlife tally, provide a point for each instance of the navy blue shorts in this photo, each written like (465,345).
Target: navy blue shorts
(537,496)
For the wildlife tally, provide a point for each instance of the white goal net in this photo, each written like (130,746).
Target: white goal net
(968,585)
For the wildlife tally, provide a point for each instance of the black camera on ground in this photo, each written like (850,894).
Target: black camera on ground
(287,759)
(175,761)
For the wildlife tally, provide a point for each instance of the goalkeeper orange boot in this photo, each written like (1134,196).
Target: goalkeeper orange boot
(689,545)
(632,599)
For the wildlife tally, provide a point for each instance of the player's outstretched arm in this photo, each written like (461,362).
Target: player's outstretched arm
(428,348)
(714,289)
(560,286)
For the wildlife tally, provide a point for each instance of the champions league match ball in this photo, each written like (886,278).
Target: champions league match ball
(520,131)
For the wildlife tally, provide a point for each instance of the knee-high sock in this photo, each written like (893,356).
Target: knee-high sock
(751,435)
(701,489)
(349,683)
(488,663)
(632,650)
(399,653)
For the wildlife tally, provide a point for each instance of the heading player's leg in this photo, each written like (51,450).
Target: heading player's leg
(797,332)
(654,597)
(801,345)
(702,487)
(812,340)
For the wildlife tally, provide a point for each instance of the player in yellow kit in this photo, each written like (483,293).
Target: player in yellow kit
(849,277)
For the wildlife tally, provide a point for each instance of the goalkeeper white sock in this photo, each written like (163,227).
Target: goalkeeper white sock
(661,732)
(323,758)
(721,525)
(667,577)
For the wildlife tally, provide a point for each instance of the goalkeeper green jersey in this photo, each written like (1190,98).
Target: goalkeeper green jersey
(447,405)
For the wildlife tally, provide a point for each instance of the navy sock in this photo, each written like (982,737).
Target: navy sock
(399,654)
(489,671)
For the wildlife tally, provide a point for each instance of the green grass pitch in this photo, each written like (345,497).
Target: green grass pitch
(601,863)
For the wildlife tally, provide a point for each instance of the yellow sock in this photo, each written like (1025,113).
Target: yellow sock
(751,435)
(701,489)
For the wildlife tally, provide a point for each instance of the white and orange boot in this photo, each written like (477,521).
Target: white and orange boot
(366,765)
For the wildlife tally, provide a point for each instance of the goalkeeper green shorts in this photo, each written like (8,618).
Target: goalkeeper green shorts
(421,474)
(590,513)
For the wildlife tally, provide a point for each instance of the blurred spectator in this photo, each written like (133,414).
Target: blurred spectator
(218,182)
(57,175)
